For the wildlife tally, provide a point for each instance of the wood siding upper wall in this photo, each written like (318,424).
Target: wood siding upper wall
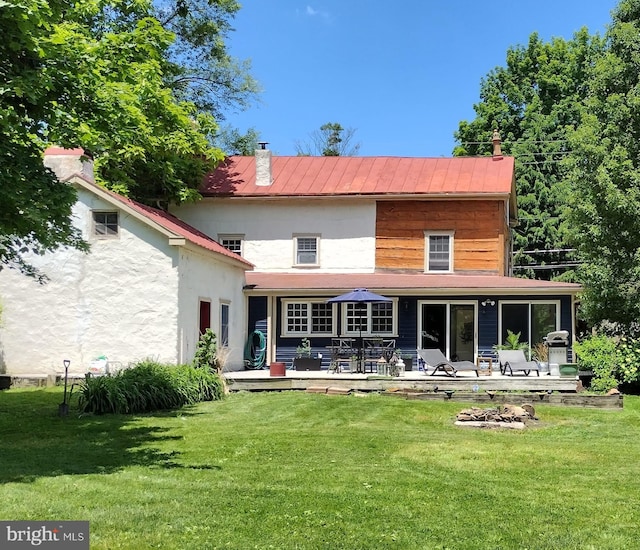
(480,233)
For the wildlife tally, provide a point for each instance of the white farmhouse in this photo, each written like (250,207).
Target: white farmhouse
(147,289)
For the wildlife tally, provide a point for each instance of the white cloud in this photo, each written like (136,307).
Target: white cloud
(312,12)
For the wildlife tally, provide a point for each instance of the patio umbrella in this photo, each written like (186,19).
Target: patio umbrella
(359,296)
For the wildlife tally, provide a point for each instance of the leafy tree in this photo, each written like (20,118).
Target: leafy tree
(203,72)
(533,101)
(605,175)
(331,140)
(114,78)
(232,142)
(34,208)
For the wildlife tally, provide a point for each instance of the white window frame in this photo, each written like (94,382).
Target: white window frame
(448,304)
(297,251)
(309,316)
(232,237)
(95,224)
(366,333)
(427,248)
(224,305)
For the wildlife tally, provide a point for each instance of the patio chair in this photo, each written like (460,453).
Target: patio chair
(435,359)
(512,360)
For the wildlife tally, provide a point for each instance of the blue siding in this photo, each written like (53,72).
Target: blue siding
(407,337)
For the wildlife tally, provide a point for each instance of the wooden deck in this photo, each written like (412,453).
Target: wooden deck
(260,380)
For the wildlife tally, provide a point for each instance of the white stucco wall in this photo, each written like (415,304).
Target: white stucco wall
(119,300)
(346,229)
(202,277)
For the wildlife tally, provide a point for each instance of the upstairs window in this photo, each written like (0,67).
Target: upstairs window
(105,224)
(306,250)
(232,243)
(439,252)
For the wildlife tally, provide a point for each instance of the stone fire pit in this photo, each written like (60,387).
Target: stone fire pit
(508,416)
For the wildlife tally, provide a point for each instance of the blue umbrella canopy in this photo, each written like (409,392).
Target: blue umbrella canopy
(359,295)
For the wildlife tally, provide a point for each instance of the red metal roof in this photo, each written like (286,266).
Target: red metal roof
(403,283)
(177,226)
(170,223)
(330,176)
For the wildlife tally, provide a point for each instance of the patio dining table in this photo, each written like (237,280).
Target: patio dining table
(367,351)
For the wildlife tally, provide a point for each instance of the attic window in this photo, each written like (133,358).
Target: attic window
(105,224)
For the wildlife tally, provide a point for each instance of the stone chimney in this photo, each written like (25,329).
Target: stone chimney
(497,151)
(263,165)
(69,162)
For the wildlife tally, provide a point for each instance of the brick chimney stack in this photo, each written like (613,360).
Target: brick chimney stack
(497,151)
(264,177)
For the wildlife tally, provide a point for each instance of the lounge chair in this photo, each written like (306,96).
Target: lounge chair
(512,360)
(435,359)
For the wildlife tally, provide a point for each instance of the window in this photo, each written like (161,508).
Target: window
(533,320)
(224,325)
(231,242)
(105,224)
(439,251)
(306,250)
(307,318)
(374,319)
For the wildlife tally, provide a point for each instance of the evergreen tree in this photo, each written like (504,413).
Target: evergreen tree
(533,101)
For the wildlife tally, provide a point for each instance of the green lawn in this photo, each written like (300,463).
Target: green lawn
(295,470)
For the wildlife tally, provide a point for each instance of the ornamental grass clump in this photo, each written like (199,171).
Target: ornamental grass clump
(149,386)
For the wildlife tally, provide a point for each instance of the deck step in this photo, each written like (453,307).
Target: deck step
(333,390)
(316,389)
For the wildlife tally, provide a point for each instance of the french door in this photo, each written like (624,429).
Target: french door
(451,327)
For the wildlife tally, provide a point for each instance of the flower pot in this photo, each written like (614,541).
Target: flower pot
(277,368)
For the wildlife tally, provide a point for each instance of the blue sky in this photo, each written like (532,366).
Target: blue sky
(402,74)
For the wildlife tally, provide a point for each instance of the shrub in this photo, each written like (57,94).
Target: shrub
(147,387)
(599,354)
(629,359)
(209,355)
(512,342)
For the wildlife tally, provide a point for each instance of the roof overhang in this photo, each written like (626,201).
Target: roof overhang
(402,284)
